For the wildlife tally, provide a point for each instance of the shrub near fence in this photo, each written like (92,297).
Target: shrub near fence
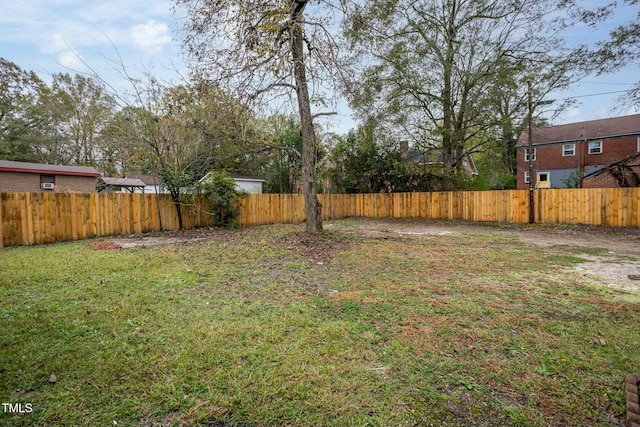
(34,218)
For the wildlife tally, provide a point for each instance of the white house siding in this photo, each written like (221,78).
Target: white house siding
(249,185)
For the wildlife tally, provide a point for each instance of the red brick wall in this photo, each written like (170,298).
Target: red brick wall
(550,157)
(30,182)
(606,180)
(602,180)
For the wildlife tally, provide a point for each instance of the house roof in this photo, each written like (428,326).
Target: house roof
(239,177)
(122,182)
(11,166)
(581,131)
(147,179)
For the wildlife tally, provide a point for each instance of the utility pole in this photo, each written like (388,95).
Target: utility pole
(532,210)
(531,195)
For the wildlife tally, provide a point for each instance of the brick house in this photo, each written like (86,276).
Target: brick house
(37,177)
(567,152)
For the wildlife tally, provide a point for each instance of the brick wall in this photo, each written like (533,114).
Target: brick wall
(602,180)
(606,180)
(30,182)
(549,157)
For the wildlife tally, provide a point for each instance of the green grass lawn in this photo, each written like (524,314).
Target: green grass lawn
(268,326)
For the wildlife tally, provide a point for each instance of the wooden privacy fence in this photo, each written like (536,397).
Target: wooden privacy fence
(34,218)
(504,206)
(617,207)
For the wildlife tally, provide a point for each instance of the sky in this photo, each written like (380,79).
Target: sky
(55,36)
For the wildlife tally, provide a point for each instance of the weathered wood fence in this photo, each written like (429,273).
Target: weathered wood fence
(34,218)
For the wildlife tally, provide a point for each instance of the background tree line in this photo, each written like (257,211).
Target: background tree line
(178,132)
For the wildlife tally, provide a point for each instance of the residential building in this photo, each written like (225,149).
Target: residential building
(37,177)
(248,184)
(563,154)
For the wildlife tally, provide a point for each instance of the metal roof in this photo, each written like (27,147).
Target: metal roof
(24,167)
(147,179)
(122,182)
(239,177)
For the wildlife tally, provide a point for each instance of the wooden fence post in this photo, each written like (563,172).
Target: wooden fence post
(1,222)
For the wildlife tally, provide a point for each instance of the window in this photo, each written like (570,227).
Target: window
(639,144)
(568,150)
(595,147)
(47,182)
(527,177)
(526,155)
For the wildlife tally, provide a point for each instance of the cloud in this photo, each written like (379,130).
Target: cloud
(151,37)
(71,60)
(573,113)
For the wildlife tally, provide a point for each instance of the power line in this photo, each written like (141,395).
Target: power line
(609,83)
(597,94)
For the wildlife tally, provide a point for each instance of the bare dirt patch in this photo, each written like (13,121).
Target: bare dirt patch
(614,259)
(613,254)
(614,265)
(104,245)
(319,248)
(162,238)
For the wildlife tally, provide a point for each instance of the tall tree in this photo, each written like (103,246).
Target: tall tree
(261,49)
(125,141)
(80,109)
(434,68)
(20,93)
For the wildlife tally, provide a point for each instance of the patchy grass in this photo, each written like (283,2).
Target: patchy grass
(270,326)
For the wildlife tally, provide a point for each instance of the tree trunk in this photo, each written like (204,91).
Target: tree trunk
(448,108)
(177,205)
(313,207)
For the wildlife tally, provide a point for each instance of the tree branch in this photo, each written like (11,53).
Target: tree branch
(328,113)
